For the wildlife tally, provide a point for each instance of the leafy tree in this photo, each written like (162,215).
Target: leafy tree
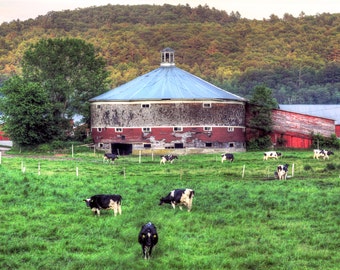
(26,112)
(70,73)
(260,122)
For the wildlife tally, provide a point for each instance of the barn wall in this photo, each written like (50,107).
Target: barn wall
(192,124)
(302,124)
(2,136)
(166,114)
(166,137)
(337,131)
(296,129)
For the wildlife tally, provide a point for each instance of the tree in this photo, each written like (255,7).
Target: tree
(26,112)
(70,73)
(260,122)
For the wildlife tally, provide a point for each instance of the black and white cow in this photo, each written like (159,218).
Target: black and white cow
(148,238)
(110,157)
(322,153)
(271,154)
(168,158)
(282,171)
(179,197)
(227,156)
(105,201)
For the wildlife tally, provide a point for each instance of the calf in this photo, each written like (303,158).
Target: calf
(148,238)
(180,197)
(322,153)
(170,158)
(227,156)
(106,202)
(271,154)
(282,171)
(110,157)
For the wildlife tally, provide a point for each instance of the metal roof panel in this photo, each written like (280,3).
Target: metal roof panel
(166,82)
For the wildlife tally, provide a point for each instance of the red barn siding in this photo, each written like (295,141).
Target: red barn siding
(189,136)
(3,137)
(337,131)
(296,129)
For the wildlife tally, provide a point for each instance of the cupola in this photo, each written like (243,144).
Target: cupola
(167,57)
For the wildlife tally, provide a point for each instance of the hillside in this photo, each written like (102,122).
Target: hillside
(298,58)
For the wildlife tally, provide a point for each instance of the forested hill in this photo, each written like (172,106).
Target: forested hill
(297,57)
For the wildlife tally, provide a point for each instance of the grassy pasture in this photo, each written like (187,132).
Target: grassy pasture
(249,222)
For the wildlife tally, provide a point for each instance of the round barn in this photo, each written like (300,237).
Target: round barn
(168,108)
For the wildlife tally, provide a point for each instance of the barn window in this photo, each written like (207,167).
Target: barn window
(145,105)
(231,144)
(208,144)
(206,105)
(147,145)
(146,129)
(178,128)
(230,129)
(99,129)
(98,106)
(207,128)
(119,129)
(178,145)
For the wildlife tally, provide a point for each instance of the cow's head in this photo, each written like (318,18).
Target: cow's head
(87,201)
(161,201)
(330,153)
(279,154)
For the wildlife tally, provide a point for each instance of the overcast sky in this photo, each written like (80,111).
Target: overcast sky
(251,9)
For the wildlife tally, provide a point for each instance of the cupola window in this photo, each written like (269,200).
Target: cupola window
(167,57)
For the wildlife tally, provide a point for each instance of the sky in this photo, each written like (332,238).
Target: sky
(251,9)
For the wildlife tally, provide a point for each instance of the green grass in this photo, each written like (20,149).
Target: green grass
(254,222)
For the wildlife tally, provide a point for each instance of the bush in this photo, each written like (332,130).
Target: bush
(260,143)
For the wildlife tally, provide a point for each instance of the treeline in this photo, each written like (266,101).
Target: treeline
(298,58)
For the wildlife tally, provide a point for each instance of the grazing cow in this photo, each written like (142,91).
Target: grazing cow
(227,156)
(271,154)
(282,171)
(148,238)
(322,153)
(170,158)
(106,202)
(180,197)
(110,157)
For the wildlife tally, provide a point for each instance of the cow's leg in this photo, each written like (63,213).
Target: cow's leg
(173,205)
(119,209)
(115,209)
(189,205)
